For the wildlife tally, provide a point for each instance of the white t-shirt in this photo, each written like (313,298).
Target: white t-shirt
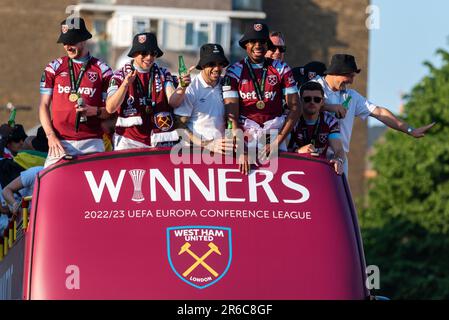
(359,106)
(204,105)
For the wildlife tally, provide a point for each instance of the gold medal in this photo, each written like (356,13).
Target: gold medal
(73,97)
(260,104)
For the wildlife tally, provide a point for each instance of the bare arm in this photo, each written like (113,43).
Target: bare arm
(233,113)
(339,155)
(337,109)
(176,96)
(94,111)
(114,101)
(8,193)
(181,122)
(55,147)
(222,145)
(337,146)
(389,119)
(292,118)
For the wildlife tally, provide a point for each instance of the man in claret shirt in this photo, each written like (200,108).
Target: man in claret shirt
(316,129)
(75,86)
(253,92)
(144,96)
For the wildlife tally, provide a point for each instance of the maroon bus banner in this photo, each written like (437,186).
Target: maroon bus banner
(136,225)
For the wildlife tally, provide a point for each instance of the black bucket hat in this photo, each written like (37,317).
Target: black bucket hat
(17,134)
(73,31)
(145,42)
(308,72)
(342,64)
(256,31)
(211,52)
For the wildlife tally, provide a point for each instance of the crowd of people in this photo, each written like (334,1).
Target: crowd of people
(86,107)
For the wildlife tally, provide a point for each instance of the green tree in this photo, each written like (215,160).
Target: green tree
(405,226)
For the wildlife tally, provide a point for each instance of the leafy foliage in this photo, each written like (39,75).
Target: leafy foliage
(405,225)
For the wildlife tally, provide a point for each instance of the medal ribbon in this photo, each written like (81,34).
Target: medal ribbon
(149,98)
(260,90)
(76,84)
(315,132)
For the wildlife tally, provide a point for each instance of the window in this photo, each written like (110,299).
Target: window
(154,26)
(189,34)
(219,33)
(141,25)
(254,5)
(195,34)
(100,44)
(202,34)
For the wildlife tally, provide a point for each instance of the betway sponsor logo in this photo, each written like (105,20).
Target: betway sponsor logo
(253,95)
(82,90)
(259,183)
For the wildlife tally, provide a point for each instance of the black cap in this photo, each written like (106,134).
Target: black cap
(342,64)
(211,52)
(40,141)
(145,42)
(73,31)
(256,31)
(308,72)
(17,134)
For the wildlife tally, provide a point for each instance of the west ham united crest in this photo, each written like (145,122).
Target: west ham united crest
(199,255)
(92,76)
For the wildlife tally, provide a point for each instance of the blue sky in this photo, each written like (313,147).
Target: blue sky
(409,33)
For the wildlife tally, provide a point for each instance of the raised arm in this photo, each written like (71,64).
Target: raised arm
(175,97)
(389,119)
(114,101)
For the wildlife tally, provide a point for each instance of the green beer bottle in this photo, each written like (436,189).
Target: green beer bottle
(12,118)
(345,103)
(229,134)
(182,71)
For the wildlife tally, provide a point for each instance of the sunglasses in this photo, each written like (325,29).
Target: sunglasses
(309,99)
(148,53)
(262,42)
(214,64)
(281,49)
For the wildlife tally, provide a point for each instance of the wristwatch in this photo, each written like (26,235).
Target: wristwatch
(340,160)
(410,130)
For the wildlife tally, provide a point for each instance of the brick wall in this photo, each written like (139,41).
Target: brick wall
(197,4)
(28,36)
(317,29)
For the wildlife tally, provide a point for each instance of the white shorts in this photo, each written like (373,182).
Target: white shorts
(77,147)
(124,143)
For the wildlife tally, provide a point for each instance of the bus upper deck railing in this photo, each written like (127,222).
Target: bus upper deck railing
(10,235)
